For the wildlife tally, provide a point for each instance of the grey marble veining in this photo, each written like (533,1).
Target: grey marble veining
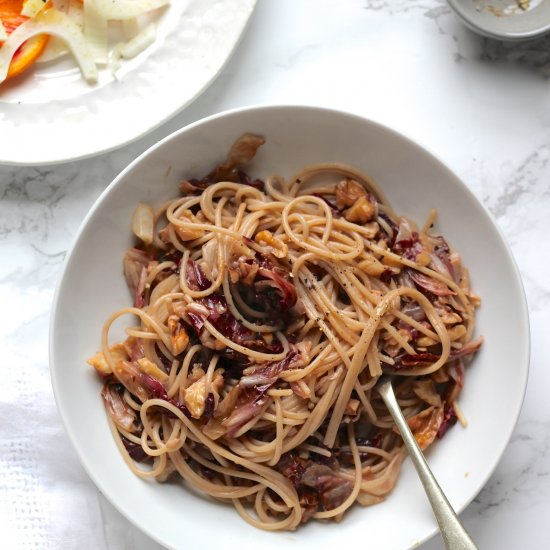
(481,105)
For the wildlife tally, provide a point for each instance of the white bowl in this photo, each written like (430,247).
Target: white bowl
(92,286)
(505,19)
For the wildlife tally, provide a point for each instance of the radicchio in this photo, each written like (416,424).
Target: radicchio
(196,278)
(264,284)
(332,489)
(425,425)
(135,264)
(121,413)
(135,451)
(268,373)
(242,151)
(430,284)
(214,309)
(317,485)
(408,360)
(449,419)
(442,252)
(285,289)
(145,386)
(249,406)
(246,399)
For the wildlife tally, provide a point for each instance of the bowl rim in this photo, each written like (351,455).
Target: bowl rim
(523,320)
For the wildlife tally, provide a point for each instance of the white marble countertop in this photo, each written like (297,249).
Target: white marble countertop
(480,105)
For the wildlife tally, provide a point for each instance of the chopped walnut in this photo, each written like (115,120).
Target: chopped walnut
(99,362)
(363,210)
(425,425)
(148,367)
(371,266)
(273,244)
(352,407)
(390,261)
(425,342)
(347,192)
(195,395)
(179,337)
(189,234)
(423,258)
(456,332)
(448,316)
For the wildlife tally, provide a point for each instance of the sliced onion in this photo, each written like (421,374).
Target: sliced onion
(55,23)
(143,223)
(125,9)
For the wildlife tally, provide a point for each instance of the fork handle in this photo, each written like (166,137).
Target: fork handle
(453,533)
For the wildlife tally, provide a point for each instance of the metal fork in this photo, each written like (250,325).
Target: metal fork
(453,533)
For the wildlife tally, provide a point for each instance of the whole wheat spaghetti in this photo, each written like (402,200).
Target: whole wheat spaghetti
(264,314)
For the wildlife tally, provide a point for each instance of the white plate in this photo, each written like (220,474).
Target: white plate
(50,114)
(93,286)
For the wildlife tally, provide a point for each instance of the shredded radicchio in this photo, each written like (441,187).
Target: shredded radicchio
(196,278)
(214,309)
(449,419)
(135,264)
(430,284)
(391,224)
(156,389)
(135,451)
(286,290)
(209,405)
(252,392)
(317,485)
(268,373)
(345,456)
(269,289)
(121,413)
(331,204)
(443,252)
(408,360)
(242,151)
(249,406)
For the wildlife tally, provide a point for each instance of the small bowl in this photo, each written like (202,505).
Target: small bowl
(505,19)
(92,287)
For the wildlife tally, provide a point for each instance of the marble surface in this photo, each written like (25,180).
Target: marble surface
(480,105)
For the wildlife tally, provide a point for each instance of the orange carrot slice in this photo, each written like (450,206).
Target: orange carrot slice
(31,50)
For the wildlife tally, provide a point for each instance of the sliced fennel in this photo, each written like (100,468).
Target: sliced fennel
(3,33)
(95,33)
(130,27)
(55,23)
(55,48)
(32,7)
(83,28)
(126,9)
(137,44)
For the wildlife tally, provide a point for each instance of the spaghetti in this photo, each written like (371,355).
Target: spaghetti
(266,313)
